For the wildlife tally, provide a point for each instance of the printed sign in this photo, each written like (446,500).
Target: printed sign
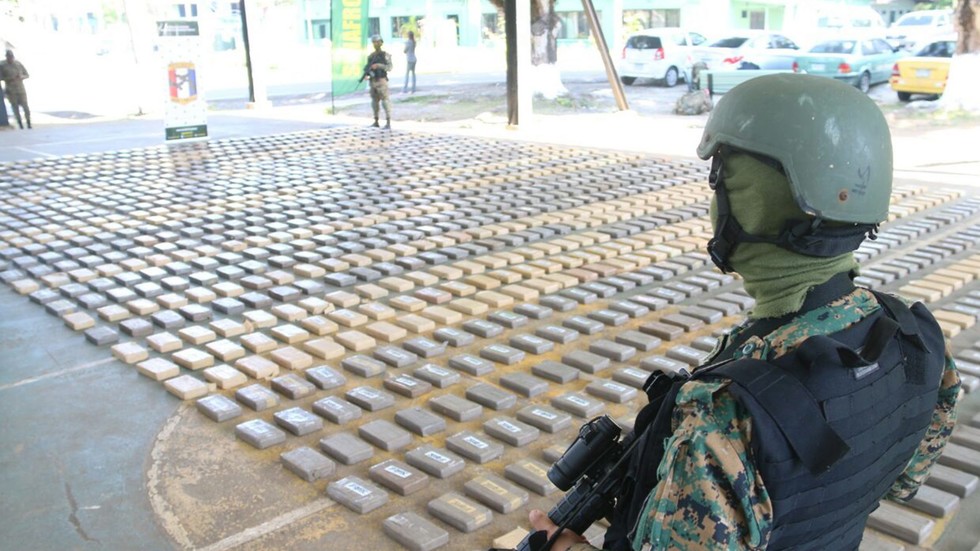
(185,112)
(348,33)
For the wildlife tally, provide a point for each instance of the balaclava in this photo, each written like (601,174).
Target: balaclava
(762,202)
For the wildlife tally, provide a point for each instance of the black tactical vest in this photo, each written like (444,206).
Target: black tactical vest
(834,423)
(379,58)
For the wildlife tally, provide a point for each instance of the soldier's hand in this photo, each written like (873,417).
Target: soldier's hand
(540,521)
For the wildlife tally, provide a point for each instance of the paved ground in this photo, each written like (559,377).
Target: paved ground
(239,241)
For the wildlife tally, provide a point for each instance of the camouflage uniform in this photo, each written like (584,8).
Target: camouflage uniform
(13,73)
(379,86)
(710,495)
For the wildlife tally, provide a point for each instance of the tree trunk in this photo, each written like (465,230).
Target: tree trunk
(964,69)
(544,32)
(545,23)
(545,77)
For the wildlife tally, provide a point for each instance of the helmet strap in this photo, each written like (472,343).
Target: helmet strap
(806,237)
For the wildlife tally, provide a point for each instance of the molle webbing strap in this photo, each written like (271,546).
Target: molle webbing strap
(916,355)
(792,408)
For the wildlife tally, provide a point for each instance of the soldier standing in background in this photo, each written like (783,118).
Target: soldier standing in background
(13,73)
(378,66)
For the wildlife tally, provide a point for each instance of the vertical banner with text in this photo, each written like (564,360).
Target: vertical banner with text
(185,114)
(348,31)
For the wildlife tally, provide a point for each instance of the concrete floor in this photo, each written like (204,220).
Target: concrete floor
(95,456)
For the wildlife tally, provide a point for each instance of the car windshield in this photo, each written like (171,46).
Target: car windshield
(644,42)
(943,48)
(914,21)
(730,42)
(834,47)
(830,21)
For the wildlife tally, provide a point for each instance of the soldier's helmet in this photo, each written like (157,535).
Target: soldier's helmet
(377,38)
(831,139)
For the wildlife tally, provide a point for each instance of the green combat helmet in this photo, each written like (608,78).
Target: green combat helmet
(831,140)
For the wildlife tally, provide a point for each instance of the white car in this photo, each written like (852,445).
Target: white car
(661,54)
(749,50)
(915,26)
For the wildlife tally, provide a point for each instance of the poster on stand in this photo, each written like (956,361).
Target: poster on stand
(348,29)
(185,114)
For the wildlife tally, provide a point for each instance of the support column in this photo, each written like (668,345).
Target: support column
(517,26)
(600,42)
(255,49)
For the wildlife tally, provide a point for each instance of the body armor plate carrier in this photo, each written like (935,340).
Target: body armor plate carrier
(835,422)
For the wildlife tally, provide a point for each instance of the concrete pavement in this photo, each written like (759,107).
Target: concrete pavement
(85,435)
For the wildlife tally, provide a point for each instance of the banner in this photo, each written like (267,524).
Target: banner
(185,113)
(348,32)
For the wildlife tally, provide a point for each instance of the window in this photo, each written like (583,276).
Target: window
(834,47)
(780,41)
(455,21)
(635,20)
(730,42)
(882,47)
(186,10)
(945,48)
(488,25)
(318,29)
(915,20)
(374,26)
(402,24)
(757,20)
(573,24)
(642,42)
(867,48)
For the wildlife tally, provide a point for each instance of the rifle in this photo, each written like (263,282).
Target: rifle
(593,468)
(367,73)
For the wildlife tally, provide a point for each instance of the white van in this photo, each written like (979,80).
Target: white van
(830,23)
(916,26)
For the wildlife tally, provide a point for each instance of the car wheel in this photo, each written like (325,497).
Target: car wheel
(864,82)
(628,80)
(670,78)
(904,96)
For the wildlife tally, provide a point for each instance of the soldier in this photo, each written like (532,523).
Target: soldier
(829,397)
(13,73)
(377,68)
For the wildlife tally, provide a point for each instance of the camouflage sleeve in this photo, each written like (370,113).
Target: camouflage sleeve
(933,443)
(388,63)
(710,495)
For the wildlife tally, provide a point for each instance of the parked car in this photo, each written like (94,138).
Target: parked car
(861,62)
(749,50)
(661,54)
(915,26)
(926,72)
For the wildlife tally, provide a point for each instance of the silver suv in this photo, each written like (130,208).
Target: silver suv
(661,54)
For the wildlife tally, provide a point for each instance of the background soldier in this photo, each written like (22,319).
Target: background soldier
(786,438)
(377,68)
(13,73)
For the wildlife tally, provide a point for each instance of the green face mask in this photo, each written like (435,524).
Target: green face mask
(761,200)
